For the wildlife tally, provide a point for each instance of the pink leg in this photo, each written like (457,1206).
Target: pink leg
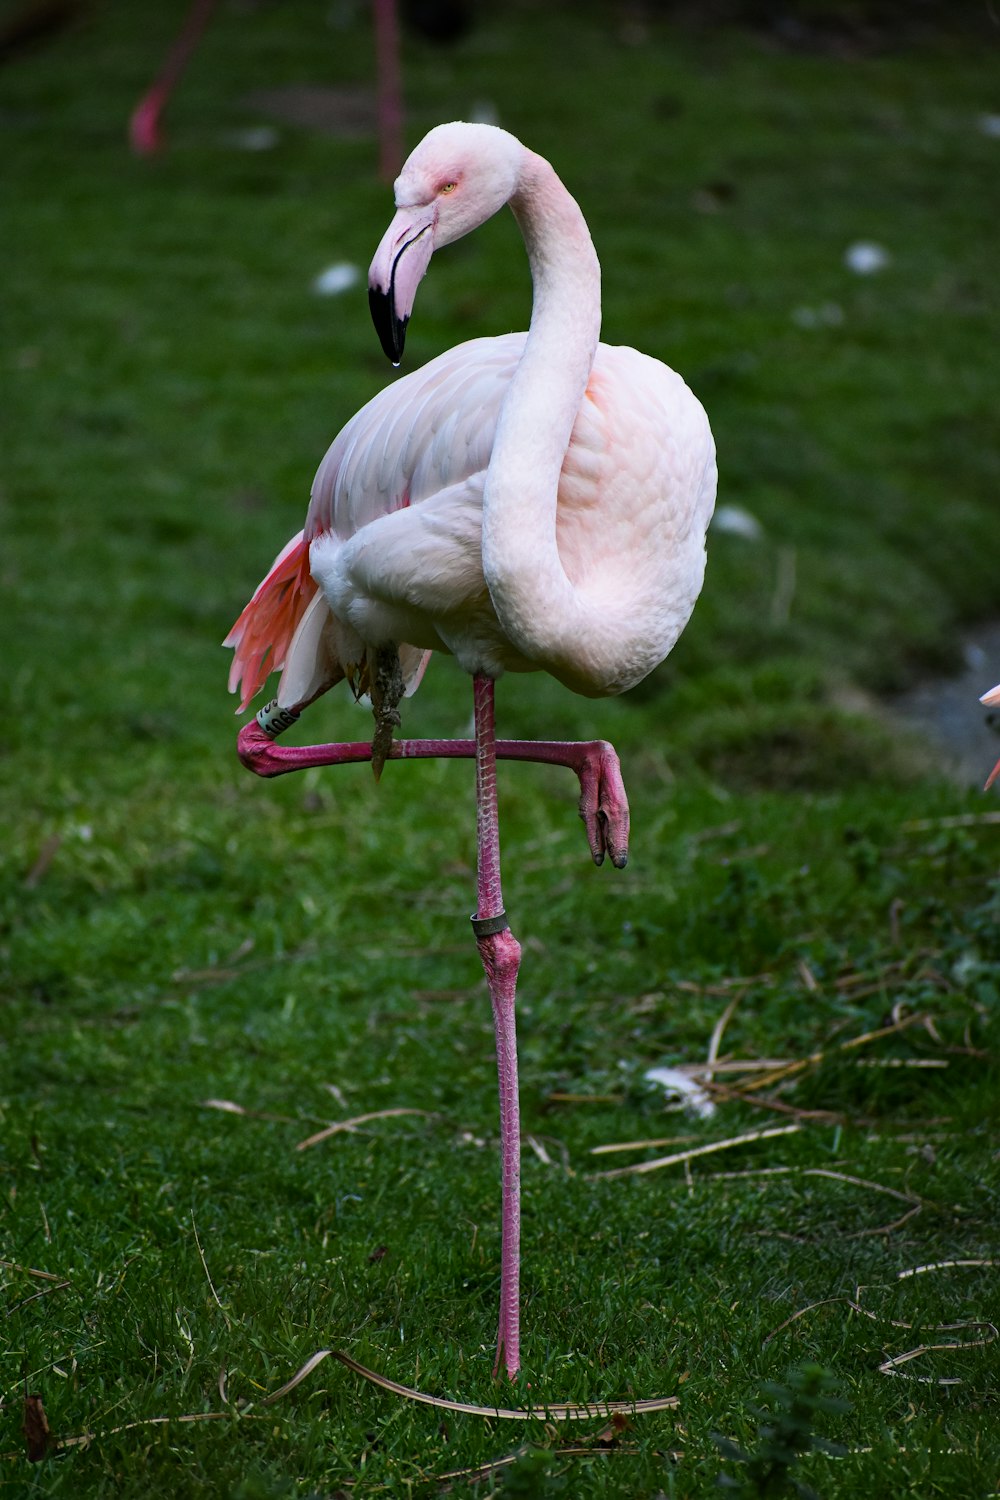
(501,954)
(144,125)
(604,809)
(603,803)
(389,89)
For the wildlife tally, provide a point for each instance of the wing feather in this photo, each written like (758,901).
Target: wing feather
(428,432)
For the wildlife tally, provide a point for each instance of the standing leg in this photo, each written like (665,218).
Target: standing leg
(501,954)
(604,809)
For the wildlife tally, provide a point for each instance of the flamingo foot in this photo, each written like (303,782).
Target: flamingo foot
(603,803)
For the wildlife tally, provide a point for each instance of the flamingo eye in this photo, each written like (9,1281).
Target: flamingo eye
(448,187)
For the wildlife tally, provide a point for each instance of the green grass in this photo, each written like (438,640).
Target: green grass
(174,932)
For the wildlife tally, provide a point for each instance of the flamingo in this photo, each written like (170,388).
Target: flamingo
(992,700)
(533,502)
(145,130)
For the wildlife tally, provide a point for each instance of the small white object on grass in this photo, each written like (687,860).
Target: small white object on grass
(865,258)
(339,277)
(989,125)
(736,521)
(690,1095)
(253,138)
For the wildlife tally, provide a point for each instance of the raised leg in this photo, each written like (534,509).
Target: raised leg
(603,803)
(501,955)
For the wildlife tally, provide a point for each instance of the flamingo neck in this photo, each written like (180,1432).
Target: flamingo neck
(535,601)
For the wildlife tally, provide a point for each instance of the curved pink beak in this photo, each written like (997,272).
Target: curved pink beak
(395,273)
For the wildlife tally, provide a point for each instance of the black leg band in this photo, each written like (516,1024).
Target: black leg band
(487,926)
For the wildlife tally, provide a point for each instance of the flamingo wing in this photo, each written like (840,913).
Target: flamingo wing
(396,515)
(391,549)
(424,440)
(424,434)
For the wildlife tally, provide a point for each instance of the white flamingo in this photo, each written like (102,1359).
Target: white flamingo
(531,502)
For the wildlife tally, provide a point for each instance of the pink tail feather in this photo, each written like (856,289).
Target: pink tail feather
(263,632)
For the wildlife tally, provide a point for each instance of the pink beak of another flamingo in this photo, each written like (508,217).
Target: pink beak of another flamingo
(992,700)
(395,273)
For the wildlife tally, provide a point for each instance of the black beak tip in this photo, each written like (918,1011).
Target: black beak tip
(390,329)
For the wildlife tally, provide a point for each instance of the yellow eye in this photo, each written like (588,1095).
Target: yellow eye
(449,187)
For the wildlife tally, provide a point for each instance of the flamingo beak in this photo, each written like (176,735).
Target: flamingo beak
(395,273)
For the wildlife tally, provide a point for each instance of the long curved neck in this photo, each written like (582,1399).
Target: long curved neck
(535,601)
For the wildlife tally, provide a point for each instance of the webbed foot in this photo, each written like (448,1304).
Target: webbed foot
(603,803)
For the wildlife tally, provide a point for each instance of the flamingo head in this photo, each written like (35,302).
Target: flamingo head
(456,179)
